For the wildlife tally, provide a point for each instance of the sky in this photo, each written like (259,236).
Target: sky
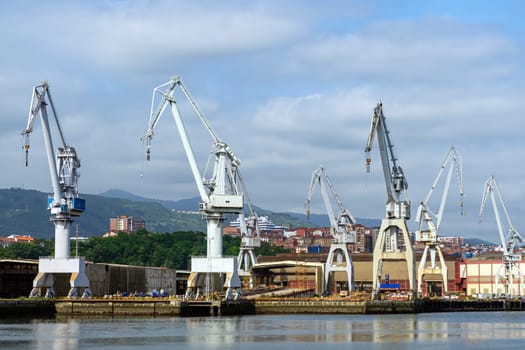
(288,85)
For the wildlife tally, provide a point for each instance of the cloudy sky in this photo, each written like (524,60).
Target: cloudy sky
(289,85)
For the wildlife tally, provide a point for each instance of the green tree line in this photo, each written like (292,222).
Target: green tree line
(143,248)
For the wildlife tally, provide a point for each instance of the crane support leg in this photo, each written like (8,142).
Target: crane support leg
(246,260)
(387,247)
(43,281)
(48,267)
(208,273)
(508,273)
(433,269)
(338,251)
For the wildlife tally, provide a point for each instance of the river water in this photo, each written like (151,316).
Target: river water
(460,330)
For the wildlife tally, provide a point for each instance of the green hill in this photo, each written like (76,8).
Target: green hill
(24,212)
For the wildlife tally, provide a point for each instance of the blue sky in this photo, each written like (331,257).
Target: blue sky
(289,85)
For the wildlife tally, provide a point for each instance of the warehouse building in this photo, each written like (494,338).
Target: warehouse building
(16,279)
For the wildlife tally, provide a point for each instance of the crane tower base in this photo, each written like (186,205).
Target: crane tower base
(49,266)
(338,251)
(209,275)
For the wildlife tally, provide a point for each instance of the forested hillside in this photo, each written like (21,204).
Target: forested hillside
(24,212)
(173,250)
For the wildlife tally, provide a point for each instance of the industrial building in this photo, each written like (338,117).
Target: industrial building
(478,277)
(467,277)
(16,279)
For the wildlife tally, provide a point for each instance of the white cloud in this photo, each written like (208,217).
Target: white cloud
(136,35)
(423,49)
(288,86)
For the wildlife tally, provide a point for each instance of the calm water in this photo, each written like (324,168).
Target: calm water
(469,330)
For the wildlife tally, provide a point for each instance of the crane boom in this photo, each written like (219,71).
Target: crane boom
(395,181)
(64,176)
(508,243)
(453,160)
(38,105)
(216,185)
(341,224)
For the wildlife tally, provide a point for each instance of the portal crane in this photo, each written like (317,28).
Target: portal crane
(64,205)
(429,223)
(509,244)
(341,229)
(219,195)
(393,241)
(250,236)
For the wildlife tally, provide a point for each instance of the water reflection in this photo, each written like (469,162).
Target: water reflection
(440,330)
(56,335)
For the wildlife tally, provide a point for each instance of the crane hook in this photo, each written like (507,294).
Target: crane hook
(148,153)
(368,161)
(26,147)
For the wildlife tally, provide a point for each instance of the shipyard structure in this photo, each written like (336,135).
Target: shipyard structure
(393,270)
(281,275)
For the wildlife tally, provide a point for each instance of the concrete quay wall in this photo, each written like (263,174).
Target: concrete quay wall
(14,308)
(152,307)
(118,307)
(166,307)
(309,307)
(384,306)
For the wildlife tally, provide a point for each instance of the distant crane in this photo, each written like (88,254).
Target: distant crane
(64,205)
(250,236)
(220,194)
(393,240)
(341,229)
(429,223)
(510,269)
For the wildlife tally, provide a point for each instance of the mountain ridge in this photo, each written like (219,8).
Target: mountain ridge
(191,204)
(23,211)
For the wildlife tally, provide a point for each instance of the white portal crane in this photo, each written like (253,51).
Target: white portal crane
(341,229)
(393,240)
(219,195)
(64,205)
(429,223)
(510,269)
(250,237)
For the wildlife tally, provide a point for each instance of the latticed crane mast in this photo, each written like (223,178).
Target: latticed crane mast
(219,195)
(393,240)
(341,229)
(510,269)
(64,205)
(429,222)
